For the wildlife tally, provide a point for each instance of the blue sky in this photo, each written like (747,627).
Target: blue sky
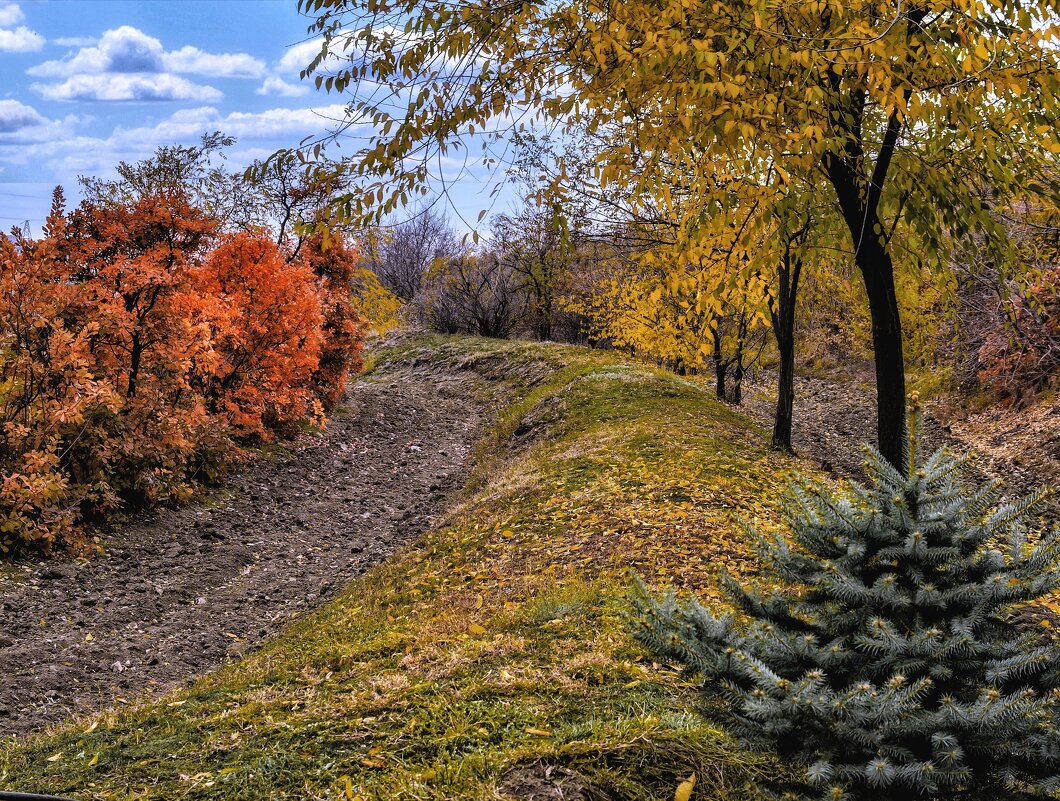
(88,83)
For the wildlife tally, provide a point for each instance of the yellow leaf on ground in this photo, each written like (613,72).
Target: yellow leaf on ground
(684,789)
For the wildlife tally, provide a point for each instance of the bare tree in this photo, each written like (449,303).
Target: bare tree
(287,198)
(403,255)
(474,293)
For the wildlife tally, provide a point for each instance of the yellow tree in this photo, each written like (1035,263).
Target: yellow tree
(914,113)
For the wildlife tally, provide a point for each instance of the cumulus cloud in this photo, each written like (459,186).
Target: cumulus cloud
(216,65)
(59,146)
(20,39)
(21,124)
(128,49)
(274,85)
(15,116)
(298,56)
(75,41)
(10,14)
(121,50)
(129,86)
(128,64)
(189,124)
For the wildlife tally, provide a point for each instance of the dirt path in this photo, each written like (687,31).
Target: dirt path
(179,594)
(832,418)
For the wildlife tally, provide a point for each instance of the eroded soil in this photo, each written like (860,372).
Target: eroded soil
(832,419)
(177,595)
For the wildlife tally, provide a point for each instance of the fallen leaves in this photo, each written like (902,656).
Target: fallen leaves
(685,788)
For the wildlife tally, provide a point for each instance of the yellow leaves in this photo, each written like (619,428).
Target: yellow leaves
(347,790)
(375,759)
(538,732)
(685,788)
(55,757)
(476,629)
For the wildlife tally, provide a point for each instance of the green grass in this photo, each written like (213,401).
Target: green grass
(495,643)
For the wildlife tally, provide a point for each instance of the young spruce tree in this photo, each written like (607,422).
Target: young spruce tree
(885,667)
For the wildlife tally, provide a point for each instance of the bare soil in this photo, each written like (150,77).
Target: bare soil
(834,416)
(178,594)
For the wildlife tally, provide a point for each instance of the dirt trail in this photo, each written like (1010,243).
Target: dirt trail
(177,595)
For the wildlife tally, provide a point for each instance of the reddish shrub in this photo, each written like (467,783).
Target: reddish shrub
(267,325)
(1022,358)
(139,346)
(336,265)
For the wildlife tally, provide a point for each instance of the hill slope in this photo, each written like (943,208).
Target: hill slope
(490,659)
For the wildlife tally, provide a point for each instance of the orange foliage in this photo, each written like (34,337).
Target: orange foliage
(139,346)
(268,328)
(335,263)
(48,393)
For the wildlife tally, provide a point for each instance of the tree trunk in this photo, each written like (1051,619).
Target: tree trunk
(878,274)
(783,318)
(134,366)
(860,210)
(720,367)
(785,386)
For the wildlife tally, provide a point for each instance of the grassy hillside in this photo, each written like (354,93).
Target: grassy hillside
(492,656)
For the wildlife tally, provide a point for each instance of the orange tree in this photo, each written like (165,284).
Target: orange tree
(49,394)
(267,323)
(914,115)
(139,347)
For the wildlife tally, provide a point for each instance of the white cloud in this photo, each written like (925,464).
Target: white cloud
(121,50)
(10,14)
(274,85)
(215,65)
(129,86)
(75,41)
(15,116)
(127,49)
(23,124)
(20,40)
(298,57)
(128,64)
(189,124)
(57,151)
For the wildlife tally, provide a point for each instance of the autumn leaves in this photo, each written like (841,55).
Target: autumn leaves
(141,343)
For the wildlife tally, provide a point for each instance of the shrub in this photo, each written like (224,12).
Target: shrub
(336,265)
(139,347)
(133,265)
(883,661)
(49,393)
(474,293)
(1021,358)
(266,327)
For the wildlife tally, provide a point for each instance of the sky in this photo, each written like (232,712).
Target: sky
(89,83)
